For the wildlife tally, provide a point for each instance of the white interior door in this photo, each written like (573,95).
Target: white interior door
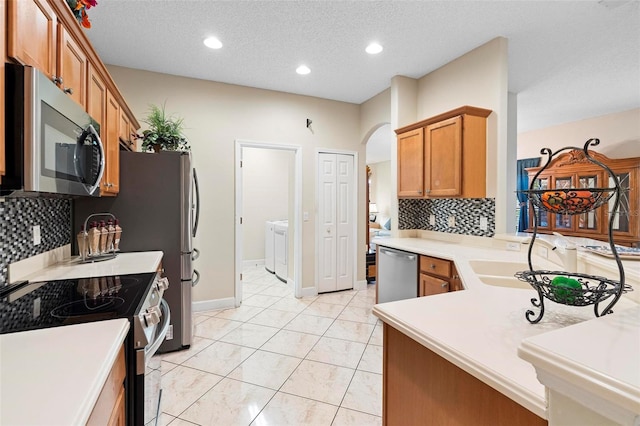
(335,217)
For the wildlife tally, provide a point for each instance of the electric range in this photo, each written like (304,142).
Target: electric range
(137,297)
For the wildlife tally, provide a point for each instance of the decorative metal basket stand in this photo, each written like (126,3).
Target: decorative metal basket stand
(592,290)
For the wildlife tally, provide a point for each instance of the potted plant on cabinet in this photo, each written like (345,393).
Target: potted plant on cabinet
(164,132)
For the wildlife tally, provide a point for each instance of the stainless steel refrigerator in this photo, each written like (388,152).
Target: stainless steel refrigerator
(158,209)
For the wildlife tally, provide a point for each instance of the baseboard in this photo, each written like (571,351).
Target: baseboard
(308,291)
(255,263)
(360,285)
(212,305)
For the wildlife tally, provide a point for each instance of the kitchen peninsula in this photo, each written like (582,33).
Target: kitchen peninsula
(455,355)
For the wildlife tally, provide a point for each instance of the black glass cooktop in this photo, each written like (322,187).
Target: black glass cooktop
(54,303)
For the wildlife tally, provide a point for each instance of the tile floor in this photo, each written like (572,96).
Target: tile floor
(278,360)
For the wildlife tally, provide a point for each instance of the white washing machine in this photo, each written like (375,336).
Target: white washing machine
(269,259)
(281,249)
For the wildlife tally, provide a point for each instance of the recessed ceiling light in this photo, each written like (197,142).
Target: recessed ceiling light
(212,43)
(373,49)
(303,69)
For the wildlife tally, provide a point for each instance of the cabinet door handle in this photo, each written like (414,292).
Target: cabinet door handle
(68,90)
(433,266)
(56,80)
(420,192)
(443,285)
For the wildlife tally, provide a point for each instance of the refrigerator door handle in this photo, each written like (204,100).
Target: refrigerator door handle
(197,205)
(196,278)
(196,254)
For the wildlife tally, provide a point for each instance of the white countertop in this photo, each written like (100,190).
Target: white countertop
(479,329)
(54,376)
(123,264)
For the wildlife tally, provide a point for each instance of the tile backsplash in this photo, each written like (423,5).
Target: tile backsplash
(17,218)
(415,214)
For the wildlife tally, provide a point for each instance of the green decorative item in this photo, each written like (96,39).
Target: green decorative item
(164,132)
(563,288)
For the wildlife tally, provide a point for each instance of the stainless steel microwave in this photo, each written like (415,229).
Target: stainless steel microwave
(51,144)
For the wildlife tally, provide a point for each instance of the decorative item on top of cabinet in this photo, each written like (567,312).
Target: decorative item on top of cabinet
(444,156)
(571,169)
(164,132)
(437,276)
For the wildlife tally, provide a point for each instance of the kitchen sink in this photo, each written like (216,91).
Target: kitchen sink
(498,268)
(502,281)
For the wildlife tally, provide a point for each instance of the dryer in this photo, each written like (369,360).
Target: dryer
(281,249)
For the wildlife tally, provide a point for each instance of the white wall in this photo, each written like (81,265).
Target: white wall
(265,195)
(217,114)
(619,135)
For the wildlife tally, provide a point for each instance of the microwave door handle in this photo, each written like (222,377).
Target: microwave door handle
(197,207)
(91,131)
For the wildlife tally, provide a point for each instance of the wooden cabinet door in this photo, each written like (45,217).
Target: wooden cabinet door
(97,109)
(72,67)
(32,34)
(430,285)
(119,415)
(112,147)
(443,158)
(3,55)
(410,164)
(124,129)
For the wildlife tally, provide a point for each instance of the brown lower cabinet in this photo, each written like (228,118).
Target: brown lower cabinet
(437,276)
(422,388)
(110,407)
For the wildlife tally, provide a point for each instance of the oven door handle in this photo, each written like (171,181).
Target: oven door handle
(152,348)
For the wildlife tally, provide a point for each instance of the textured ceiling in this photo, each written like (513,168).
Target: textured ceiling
(568,60)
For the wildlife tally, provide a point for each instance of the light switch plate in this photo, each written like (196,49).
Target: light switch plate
(452,221)
(305,216)
(36,235)
(432,220)
(484,223)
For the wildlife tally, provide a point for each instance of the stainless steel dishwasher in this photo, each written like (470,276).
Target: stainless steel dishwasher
(397,275)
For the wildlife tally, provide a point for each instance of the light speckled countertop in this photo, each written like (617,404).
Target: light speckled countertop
(480,329)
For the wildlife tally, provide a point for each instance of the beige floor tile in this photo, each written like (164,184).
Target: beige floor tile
(182,386)
(260,300)
(164,420)
(265,369)
(165,367)
(290,305)
(337,352)
(291,343)
(371,359)
(214,328)
(229,403)
(376,336)
(362,302)
(273,318)
(365,393)
(219,358)
(358,314)
(320,309)
(178,357)
(349,330)
(309,324)
(252,288)
(286,409)
(346,417)
(279,290)
(241,313)
(330,382)
(180,422)
(339,298)
(251,335)
(198,318)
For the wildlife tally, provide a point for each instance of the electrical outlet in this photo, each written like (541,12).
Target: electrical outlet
(36,307)
(484,223)
(432,220)
(543,252)
(451,221)
(305,216)
(512,246)
(36,235)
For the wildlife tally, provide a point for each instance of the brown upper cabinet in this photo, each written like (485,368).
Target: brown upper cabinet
(444,156)
(3,58)
(44,34)
(573,170)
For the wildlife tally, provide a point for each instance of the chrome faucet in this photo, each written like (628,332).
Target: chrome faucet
(564,249)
